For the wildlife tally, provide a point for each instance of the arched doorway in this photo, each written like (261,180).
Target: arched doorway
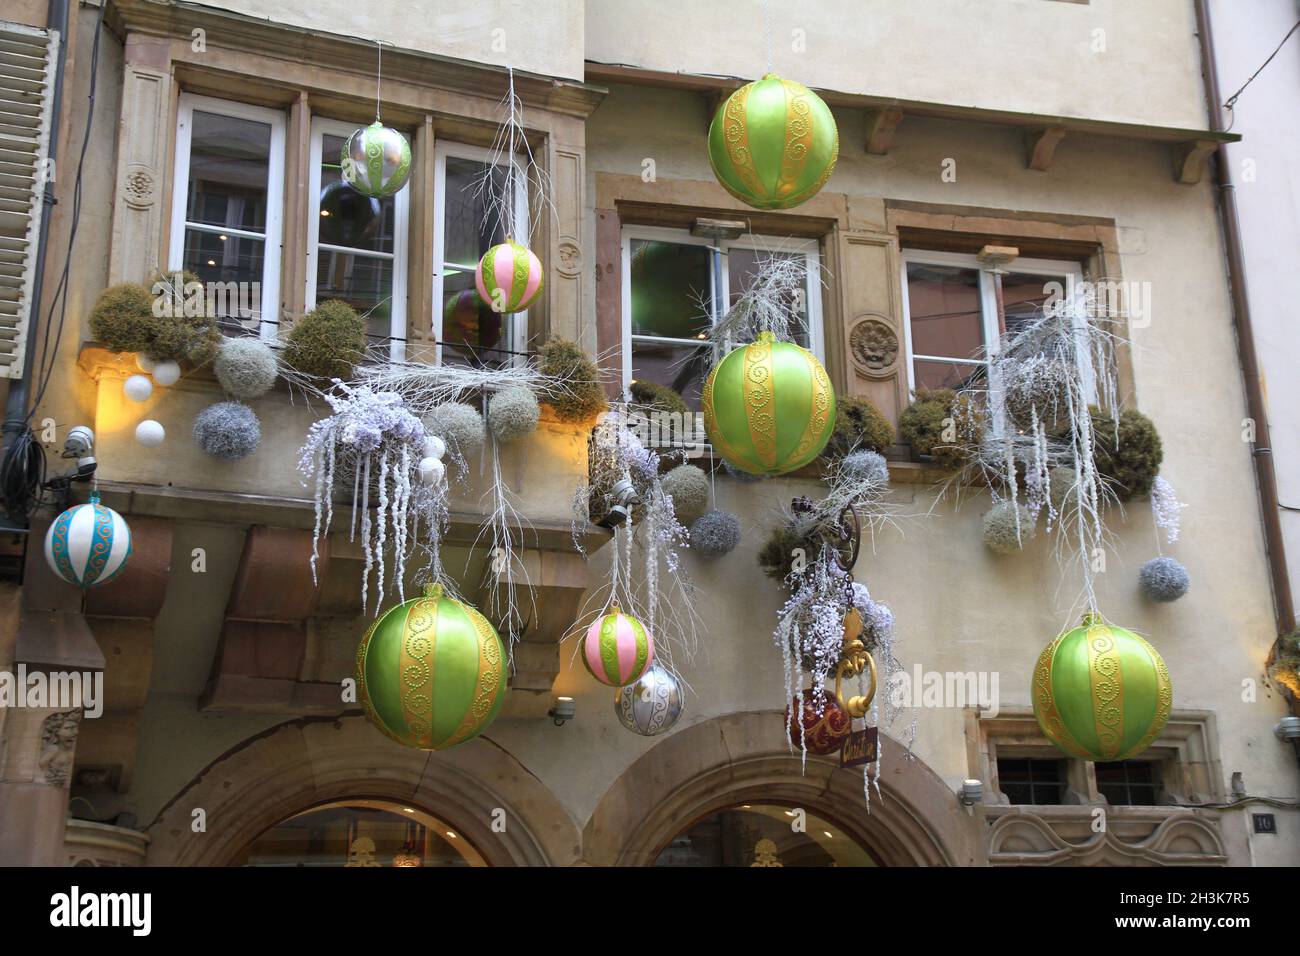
(765,835)
(360,833)
(722,764)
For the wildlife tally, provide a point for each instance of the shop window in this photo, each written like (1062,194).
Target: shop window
(761,835)
(1129,782)
(357,246)
(361,834)
(1031,781)
(467,329)
(675,286)
(226,212)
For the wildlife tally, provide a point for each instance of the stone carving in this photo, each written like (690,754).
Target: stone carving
(569,255)
(765,854)
(1173,839)
(139,187)
(873,345)
(58,743)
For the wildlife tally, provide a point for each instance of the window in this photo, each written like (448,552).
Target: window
(467,329)
(761,835)
(357,250)
(1129,783)
(671,283)
(952,318)
(227,209)
(1031,781)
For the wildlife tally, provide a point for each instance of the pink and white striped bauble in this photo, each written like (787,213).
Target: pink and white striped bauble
(509,277)
(617,649)
(88,544)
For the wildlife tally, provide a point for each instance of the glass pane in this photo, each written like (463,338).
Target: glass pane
(363,282)
(466,234)
(229,158)
(347,218)
(956,375)
(1022,299)
(231,269)
(682,367)
(944,306)
(670,289)
(760,835)
(742,265)
(472,333)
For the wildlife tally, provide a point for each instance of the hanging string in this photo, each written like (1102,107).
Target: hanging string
(767,31)
(379,74)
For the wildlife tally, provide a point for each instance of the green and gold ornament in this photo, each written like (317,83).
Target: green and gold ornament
(431,672)
(769,407)
(509,277)
(773,143)
(1101,692)
(376,160)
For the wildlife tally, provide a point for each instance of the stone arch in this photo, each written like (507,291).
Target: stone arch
(311,761)
(742,757)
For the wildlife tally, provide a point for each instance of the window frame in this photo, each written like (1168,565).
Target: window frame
(322,126)
(1066,270)
(753,242)
(273,239)
(518,321)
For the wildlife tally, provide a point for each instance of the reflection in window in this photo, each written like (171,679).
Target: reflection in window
(360,834)
(1032,781)
(1129,783)
(671,288)
(763,835)
(742,266)
(947,325)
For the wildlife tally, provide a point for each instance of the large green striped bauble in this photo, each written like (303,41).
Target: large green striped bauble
(431,672)
(1101,692)
(376,160)
(773,143)
(769,407)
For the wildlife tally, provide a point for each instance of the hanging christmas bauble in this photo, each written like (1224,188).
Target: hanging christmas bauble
(150,433)
(431,672)
(467,321)
(652,703)
(431,470)
(1101,692)
(167,373)
(138,388)
(822,725)
(509,277)
(347,217)
(769,407)
(376,160)
(773,143)
(617,649)
(88,545)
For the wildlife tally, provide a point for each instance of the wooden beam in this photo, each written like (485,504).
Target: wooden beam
(1040,146)
(1190,159)
(881,126)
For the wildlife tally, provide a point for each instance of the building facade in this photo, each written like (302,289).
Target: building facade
(1075,137)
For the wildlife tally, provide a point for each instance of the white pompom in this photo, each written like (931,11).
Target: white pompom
(144,362)
(149,433)
(167,373)
(431,471)
(434,447)
(138,388)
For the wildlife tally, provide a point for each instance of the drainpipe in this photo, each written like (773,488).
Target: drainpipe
(56,20)
(1262,450)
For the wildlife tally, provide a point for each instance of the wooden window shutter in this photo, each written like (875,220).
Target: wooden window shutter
(28,64)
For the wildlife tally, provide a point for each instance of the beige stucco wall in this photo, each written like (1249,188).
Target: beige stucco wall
(537,36)
(1030,56)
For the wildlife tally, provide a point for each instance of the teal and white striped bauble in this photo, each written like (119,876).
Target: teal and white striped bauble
(88,545)
(376,160)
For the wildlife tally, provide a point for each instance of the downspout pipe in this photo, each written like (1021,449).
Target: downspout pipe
(15,422)
(1261,448)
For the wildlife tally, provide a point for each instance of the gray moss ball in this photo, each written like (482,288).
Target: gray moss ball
(457,424)
(1000,533)
(246,368)
(715,533)
(513,414)
(1061,481)
(1164,580)
(739,475)
(689,488)
(866,464)
(227,430)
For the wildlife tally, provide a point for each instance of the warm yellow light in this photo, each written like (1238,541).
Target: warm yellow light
(407,810)
(324,212)
(222,238)
(450,835)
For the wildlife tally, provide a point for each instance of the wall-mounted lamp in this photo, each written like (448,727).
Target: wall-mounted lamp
(1288,729)
(564,709)
(971,792)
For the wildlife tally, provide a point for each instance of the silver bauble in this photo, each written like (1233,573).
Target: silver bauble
(652,704)
(376,160)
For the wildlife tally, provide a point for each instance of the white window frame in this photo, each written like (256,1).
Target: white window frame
(321,127)
(268,318)
(1049,268)
(749,241)
(517,340)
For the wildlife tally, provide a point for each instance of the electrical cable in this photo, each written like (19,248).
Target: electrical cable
(1231,101)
